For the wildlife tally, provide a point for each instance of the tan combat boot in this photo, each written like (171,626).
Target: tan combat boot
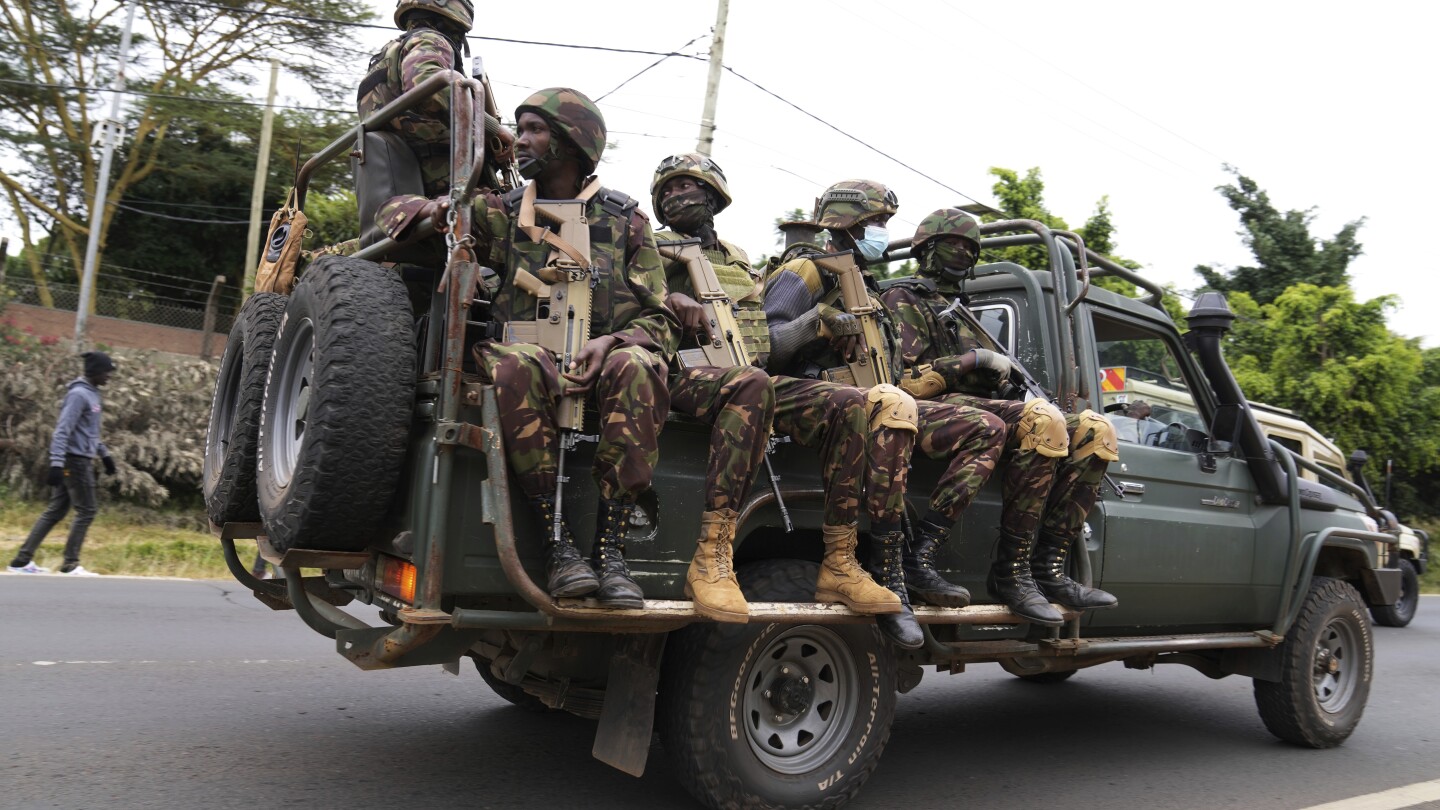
(843,580)
(710,582)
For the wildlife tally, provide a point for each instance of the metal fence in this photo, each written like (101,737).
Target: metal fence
(125,306)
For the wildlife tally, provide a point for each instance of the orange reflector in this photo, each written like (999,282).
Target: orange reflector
(399,579)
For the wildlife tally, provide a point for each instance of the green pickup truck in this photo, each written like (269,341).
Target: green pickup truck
(351,438)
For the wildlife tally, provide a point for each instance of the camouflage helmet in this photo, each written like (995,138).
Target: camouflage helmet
(946,222)
(850,201)
(574,114)
(460,12)
(690,164)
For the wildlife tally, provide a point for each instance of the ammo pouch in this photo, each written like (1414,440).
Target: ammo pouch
(387,168)
(281,256)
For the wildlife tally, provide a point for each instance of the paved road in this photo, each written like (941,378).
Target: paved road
(177,694)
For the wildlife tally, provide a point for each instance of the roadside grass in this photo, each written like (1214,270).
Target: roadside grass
(126,540)
(1430,581)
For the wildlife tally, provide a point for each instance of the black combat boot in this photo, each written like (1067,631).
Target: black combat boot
(617,588)
(566,571)
(887,566)
(920,575)
(1048,567)
(1010,581)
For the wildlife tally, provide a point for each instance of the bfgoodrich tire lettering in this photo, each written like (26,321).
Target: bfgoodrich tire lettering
(230,439)
(337,407)
(1326,665)
(1403,611)
(776,716)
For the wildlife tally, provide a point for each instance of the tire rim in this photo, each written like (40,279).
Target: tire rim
(800,699)
(1337,665)
(222,416)
(292,374)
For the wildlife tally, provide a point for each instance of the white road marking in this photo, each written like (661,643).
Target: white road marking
(1393,799)
(240,661)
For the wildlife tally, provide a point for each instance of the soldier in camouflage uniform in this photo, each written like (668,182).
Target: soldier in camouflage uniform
(1054,462)
(433,41)
(687,192)
(810,333)
(561,135)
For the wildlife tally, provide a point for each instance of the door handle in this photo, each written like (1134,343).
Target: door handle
(1131,488)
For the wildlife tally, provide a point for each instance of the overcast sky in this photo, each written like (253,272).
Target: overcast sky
(1321,103)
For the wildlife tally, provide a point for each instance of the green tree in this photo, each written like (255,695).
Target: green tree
(1285,252)
(1024,198)
(53,62)
(1330,358)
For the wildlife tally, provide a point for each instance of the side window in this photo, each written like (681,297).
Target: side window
(997,320)
(1155,405)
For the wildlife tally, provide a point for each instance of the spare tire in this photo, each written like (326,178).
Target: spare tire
(228,480)
(338,398)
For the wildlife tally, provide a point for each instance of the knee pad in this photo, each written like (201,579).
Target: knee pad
(923,382)
(1104,444)
(1042,429)
(891,407)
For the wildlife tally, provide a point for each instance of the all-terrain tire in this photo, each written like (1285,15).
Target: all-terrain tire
(738,701)
(231,439)
(338,399)
(509,691)
(1403,611)
(1326,665)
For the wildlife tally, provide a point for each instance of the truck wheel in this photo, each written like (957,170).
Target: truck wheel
(1403,611)
(337,407)
(230,439)
(509,691)
(776,715)
(1326,663)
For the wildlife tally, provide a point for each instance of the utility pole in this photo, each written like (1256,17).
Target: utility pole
(111,129)
(257,192)
(208,325)
(712,82)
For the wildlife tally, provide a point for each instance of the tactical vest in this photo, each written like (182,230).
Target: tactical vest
(746,298)
(609,215)
(949,337)
(426,136)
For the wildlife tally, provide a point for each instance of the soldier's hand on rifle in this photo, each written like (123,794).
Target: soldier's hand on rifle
(843,330)
(585,367)
(992,361)
(689,312)
(502,146)
(438,211)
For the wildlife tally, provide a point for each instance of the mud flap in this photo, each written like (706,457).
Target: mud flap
(628,717)
(1380,585)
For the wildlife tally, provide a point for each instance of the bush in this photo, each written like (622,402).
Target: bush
(156,409)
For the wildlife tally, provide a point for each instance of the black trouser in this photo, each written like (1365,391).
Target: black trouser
(77,489)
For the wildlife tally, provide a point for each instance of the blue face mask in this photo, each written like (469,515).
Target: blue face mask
(872,246)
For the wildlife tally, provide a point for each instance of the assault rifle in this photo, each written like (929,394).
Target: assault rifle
(873,366)
(956,316)
(721,346)
(562,289)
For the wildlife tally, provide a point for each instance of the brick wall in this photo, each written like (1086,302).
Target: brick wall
(112,331)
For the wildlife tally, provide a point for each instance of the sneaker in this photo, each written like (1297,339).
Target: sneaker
(78,571)
(27,568)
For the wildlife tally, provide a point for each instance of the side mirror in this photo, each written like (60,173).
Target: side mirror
(1224,430)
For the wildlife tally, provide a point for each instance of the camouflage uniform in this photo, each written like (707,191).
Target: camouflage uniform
(969,438)
(1050,475)
(630,394)
(404,62)
(738,403)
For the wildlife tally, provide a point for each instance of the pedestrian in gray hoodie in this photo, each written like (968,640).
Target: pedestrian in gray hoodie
(73,450)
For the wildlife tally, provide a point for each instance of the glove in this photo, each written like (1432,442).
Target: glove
(56,477)
(109,465)
(992,361)
(836,323)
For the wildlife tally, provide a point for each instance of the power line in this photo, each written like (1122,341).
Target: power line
(159,215)
(647,68)
(874,149)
